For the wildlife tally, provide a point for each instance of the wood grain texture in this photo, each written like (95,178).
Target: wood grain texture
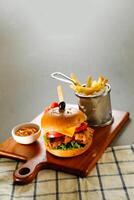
(36,157)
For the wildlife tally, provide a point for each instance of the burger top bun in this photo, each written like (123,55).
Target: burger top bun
(56,119)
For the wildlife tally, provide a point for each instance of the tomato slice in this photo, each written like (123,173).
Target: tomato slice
(54,134)
(82,127)
(54,104)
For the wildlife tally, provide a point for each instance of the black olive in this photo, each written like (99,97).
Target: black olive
(62,105)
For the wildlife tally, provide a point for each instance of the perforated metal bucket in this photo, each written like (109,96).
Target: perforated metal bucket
(97,107)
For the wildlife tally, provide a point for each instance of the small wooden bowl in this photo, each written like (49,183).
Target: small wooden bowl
(29,139)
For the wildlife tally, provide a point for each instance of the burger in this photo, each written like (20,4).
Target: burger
(66,134)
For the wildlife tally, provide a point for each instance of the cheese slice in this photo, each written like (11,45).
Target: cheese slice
(68,131)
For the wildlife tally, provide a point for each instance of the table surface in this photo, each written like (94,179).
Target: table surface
(110,179)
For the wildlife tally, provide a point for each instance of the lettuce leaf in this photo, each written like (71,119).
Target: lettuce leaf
(70,145)
(46,139)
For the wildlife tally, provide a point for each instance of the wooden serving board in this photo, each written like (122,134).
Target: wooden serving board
(36,157)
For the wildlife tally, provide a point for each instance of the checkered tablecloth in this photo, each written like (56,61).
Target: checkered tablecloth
(112,179)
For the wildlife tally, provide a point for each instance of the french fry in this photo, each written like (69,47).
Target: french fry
(82,90)
(60,93)
(94,84)
(89,81)
(97,88)
(102,80)
(91,87)
(74,77)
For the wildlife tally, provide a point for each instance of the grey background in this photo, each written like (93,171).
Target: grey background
(38,37)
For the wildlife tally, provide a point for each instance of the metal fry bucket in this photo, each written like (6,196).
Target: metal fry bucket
(97,107)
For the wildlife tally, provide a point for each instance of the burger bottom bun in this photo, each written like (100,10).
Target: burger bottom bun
(70,152)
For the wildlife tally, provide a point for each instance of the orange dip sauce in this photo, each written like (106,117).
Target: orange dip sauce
(26,131)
